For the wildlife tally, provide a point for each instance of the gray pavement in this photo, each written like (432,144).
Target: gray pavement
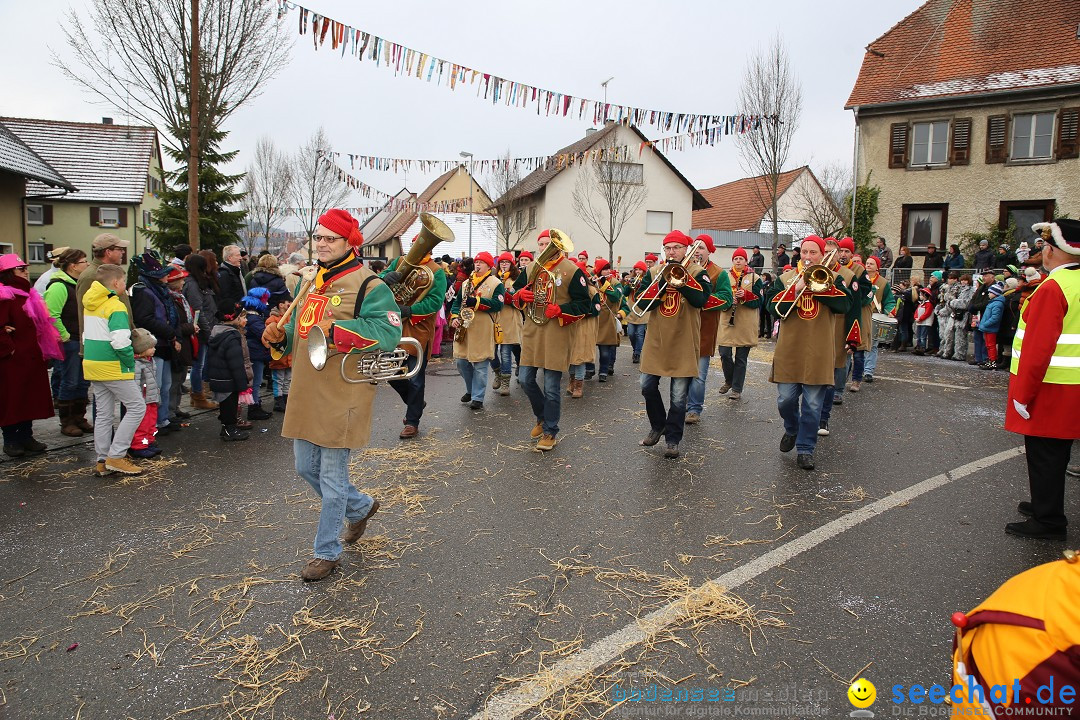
(176,594)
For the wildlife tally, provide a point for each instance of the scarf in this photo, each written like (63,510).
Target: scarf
(161,291)
(48,336)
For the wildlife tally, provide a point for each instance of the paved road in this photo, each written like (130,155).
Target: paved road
(495,575)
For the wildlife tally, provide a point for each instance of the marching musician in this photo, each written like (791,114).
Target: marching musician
(607,333)
(547,345)
(883,302)
(1044,381)
(805,349)
(635,324)
(719,300)
(583,339)
(583,258)
(418,321)
(862,294)
(650,261)
(326,416)
(525,259)
(845,336)
(672,342)
(739,325)
(507,327)
(473,319)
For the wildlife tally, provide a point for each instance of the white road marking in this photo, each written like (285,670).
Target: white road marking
(513,703)
(894,379)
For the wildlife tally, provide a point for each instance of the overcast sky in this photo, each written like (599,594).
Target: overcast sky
(682,57)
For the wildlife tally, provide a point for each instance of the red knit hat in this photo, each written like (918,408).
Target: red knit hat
(876,259)
(544,234)
(507,256)
(709,245)
(344,224)
(582,266)
(846,244)
(640,265)
(739,252)
(599,265)
(583,253)
(786,268)
(652,256)
(677,236)
(485,257)
(816,240)
(525,254)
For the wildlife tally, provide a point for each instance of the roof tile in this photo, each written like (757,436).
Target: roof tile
(17,158)
(738,205)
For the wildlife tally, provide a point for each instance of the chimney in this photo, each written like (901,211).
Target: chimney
(589,131)
(106,121)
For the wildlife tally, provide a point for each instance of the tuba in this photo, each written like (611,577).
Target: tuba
(542,280)
(417,279)
(366,367)
(816,278)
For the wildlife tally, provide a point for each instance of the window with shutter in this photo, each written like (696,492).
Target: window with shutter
(1068,137)
(997,137)
(122,220)
(961,142)
(95,217)
(898,145)
(47,211)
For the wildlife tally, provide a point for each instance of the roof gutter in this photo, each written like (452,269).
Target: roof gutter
(855,169)
(1066,90)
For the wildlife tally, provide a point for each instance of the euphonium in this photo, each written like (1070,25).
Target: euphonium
(541,280)
(816,278)
(417,279)
(370,367)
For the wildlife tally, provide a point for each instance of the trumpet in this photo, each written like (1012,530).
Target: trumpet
(542,280)
(673,274)
(369,367)
(816,278)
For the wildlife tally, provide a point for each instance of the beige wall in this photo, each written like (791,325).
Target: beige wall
(457,187)
(974,191)
(666,193)
(12,189)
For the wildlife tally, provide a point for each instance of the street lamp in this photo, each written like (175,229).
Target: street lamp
(470,156)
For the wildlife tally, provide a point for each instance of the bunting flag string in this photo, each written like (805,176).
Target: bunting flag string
(393,203)
(407,62)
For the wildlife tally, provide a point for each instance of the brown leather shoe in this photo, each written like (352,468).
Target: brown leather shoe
(546,443)
(409,431)
(537,430)
(692,418)
(577,388)
(356,529)
(243,424)
(317,569)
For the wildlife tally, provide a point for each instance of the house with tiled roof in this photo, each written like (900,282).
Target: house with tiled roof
(544,197)
(968,114)
(115,176)
(453,191)
(19,165)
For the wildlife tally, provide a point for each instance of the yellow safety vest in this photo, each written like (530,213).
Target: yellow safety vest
(1064,366)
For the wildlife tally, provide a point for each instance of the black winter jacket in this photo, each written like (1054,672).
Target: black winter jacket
(232,286)
(150,314)
(225,366)
(273,282)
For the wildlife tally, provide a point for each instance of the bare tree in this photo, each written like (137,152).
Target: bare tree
(769,89)
(135,56)
(609,189)
(501,180)
(315,185)
(821,203)
(267,188)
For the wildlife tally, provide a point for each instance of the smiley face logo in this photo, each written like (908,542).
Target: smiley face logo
(862,693)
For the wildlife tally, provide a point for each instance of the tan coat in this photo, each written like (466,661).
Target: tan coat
(673,338)
(549,346)
(744,333)
(607,332)
(866,320)
(805,349)
(479,341)
(841,329)
(510,318)
(710,319)
(584,333)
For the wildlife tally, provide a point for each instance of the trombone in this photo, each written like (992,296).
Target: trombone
(673,274)
(816,278)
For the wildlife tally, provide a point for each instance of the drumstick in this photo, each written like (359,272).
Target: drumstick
(308,275)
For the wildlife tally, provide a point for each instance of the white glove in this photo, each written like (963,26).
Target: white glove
(1021,410)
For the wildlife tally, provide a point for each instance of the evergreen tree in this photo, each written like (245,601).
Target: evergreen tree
(218,225)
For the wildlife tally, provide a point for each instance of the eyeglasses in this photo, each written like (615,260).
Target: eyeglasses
(326,238)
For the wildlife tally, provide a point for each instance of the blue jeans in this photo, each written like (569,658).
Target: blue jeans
(922,336)
(803,425)
(506,358)
(980,347)
(607,359)
(858,365)
(871,360)
(734,370)
(475,377)
(163,373)
(670,421)
(73,386)
(637,337)
(258,368)
(412,391)
(695,399)
(327,471)
(831,391)
(197,369)
(577,372)
(546,403)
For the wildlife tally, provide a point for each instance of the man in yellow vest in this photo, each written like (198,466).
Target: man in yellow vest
(1044,381)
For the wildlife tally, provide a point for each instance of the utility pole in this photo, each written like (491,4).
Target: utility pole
(604,85)
(193,150)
